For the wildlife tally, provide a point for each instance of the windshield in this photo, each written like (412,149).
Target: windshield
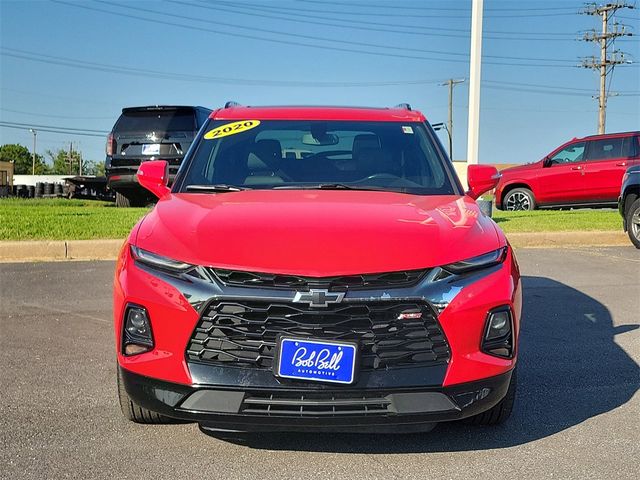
(279,154)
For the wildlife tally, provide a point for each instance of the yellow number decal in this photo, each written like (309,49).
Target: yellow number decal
(231,129)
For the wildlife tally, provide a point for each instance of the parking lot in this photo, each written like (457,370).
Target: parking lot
(577,413)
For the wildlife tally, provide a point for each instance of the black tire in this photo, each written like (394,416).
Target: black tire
(130,199)
(133,412)
(499,413)
(519,199)
(633,222)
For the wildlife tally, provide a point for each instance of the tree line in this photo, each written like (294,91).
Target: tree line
(58,162)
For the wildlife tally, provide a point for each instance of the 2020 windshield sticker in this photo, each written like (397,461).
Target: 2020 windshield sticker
(231,129)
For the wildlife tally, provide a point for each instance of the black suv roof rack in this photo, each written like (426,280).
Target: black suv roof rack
(404,106)
(231,104)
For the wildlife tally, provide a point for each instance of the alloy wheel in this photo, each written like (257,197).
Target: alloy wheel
(518,201)
(635,224)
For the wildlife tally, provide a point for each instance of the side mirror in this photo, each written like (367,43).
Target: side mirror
(481,179)
(154,176)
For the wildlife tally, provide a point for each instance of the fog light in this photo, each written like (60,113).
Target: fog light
(137,336)
(499,325)
(498,335)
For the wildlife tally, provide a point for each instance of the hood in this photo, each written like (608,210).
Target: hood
(317,233)
(519,168)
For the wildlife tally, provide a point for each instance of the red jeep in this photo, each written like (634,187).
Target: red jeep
(585,172)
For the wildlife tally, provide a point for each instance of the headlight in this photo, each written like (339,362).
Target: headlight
(481,261)
(157,261)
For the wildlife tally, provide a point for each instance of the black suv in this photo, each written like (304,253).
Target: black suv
(629,204)
(148,133)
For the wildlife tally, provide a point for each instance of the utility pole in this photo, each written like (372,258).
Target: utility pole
(70,158)
(607,62)
(451,83)
(33,156)
(474,82)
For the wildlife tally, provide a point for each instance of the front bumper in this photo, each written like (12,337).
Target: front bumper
(381,409)
(165,378)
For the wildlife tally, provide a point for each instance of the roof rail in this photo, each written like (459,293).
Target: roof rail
(404,106)
(231,104)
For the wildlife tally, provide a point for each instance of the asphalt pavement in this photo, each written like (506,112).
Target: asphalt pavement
(577,413)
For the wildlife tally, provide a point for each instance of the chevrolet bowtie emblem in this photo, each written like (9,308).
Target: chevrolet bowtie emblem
(318,298)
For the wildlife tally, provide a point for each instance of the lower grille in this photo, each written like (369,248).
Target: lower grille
(244,333)
(310,405)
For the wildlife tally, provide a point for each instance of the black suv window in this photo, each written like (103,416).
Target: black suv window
(609,148)
(292,154)
(135,122)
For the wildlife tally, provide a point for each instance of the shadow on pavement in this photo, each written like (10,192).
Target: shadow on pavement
(570,369)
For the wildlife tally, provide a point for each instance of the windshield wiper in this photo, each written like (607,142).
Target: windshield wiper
(214,188)
(327,186)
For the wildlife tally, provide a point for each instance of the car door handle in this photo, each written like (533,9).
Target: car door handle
(621,164)
(579,167)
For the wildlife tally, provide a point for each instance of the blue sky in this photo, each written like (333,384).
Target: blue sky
(74,64)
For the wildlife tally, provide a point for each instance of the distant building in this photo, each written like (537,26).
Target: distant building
(6,174)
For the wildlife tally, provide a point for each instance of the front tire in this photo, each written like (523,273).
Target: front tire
(633,222)
(519,199)
(500,412)
(133,412)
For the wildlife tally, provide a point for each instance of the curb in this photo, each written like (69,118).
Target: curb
(46,251)
(568,239)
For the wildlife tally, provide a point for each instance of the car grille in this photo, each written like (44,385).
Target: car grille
(315,405)
(244,333)
(371,281)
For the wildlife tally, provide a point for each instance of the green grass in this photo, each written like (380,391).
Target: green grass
(62,219)
(558,220)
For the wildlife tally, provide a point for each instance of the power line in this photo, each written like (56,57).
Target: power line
(69,117)
(405,7)
(50,129)
(133,71)
(284,11)
(433,31)
(340,41)
(31,125)
(399,15)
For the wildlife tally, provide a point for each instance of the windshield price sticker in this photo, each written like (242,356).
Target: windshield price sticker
(231,129)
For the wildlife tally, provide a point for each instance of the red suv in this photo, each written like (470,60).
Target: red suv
(353,287)
(585,172)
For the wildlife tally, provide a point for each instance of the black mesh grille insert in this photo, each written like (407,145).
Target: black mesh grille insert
(244,333)
(315,404)
(266,280)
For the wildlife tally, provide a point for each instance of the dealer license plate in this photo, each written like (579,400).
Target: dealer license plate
(151,149)
(316,360)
